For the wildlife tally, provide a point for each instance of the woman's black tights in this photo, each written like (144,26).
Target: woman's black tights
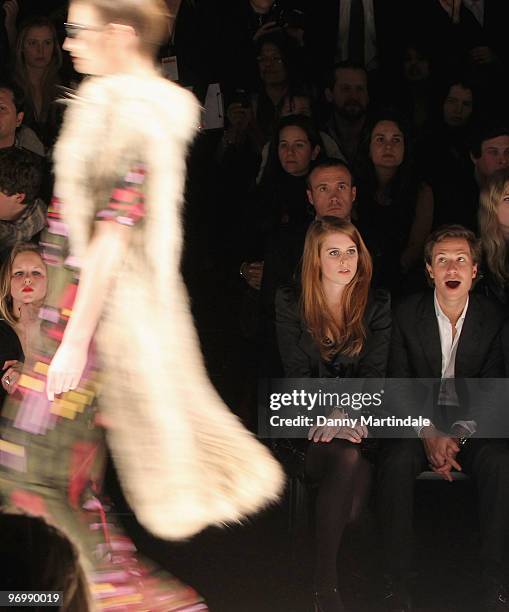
(343,476)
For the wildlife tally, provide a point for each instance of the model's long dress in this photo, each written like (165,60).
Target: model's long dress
(183,459)
(52,454)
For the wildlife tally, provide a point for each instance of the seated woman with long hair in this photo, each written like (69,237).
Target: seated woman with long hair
(335,326)
(414,82)
(395,206)
(23,286)
(443,154)
(36,71)
(445,146)
(494,229)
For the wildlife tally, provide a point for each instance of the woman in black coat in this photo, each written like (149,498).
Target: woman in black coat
(334,326)
(395,207)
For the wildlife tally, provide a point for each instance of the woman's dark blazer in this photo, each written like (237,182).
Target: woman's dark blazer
(10,348)
(301,356)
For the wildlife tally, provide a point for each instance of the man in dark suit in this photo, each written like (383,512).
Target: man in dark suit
(361,31)
(448,334)
(471,30)
(468,33)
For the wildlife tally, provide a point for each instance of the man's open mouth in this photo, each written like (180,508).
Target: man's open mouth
(452,284)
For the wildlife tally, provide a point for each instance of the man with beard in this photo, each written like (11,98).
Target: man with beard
(348,94)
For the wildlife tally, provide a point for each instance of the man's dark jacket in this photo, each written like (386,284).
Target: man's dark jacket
(416,353)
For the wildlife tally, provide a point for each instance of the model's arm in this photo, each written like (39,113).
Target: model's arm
(104,255)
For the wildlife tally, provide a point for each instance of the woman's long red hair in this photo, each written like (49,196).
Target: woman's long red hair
(341,331)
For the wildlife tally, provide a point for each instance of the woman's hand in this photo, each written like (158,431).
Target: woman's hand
(66,369)
(353,434)
(12,372)
(11,9)
(326,433)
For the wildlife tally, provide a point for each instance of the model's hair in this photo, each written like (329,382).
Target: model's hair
(6,310)
(329,162)
(483,133)
(18,96)
(51,78)
(42,558)
(492,239)
(452,231)
(149,18)
(20,172)
(341,331)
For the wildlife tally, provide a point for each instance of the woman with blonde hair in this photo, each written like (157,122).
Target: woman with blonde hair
(334,326)
(38,61)
(23,286)
(113,249)
(494,229)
